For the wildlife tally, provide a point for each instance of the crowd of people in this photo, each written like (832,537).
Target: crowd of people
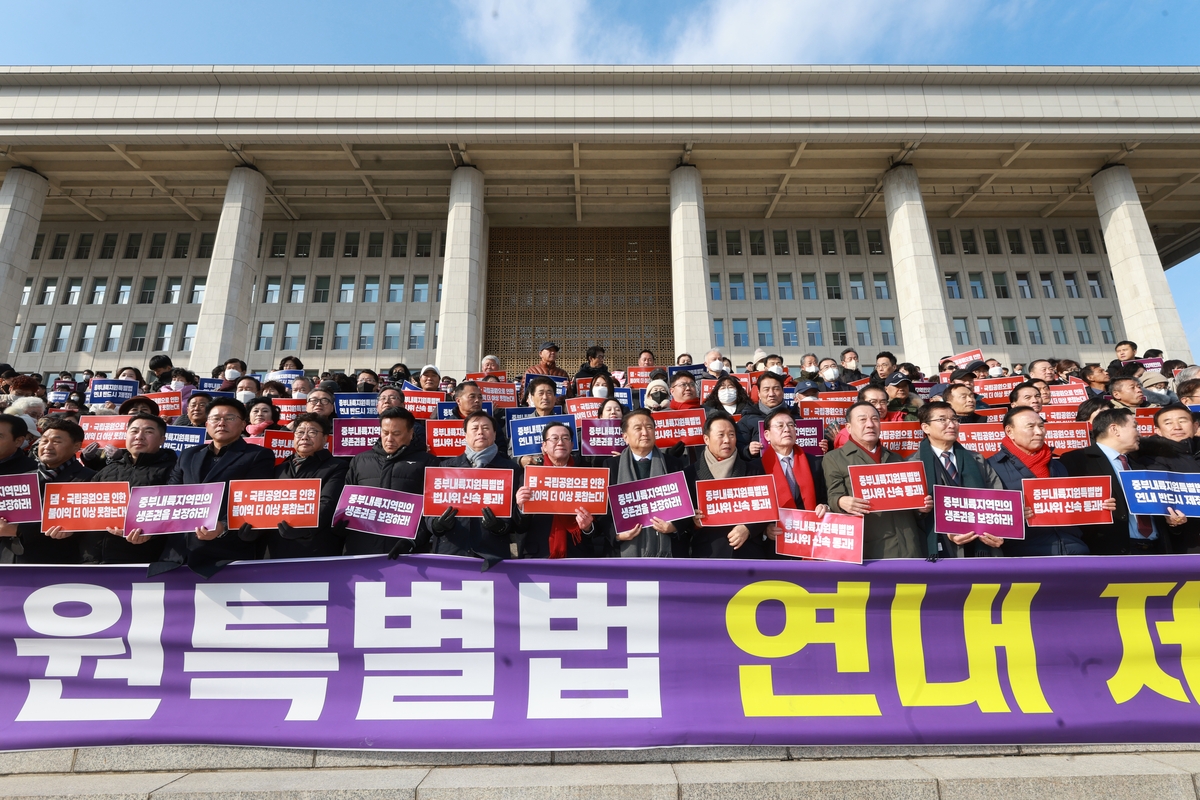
(46,438)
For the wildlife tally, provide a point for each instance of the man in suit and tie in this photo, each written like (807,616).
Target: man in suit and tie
(798,477)
(1116,435)
(227,457)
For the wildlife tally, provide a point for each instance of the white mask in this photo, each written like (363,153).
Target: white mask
(830,374)
(727,396)
(245,397)
(776,368)
(232,374)
(715,367)
(177,386)
(852,364)
(600,390)
(996,372)
(300,395)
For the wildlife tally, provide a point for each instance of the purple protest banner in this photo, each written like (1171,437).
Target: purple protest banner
(808,435)
(354,436)
(959,510)
(600,437)
(159,510)
(639,502)
(20,498)
(385,512)
(582,653)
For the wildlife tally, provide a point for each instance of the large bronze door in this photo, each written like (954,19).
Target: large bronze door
(578,287)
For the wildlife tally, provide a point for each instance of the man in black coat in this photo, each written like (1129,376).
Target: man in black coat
(228,457)
(397,462)
(56,463)
(1116,436)
(143,462)
(487,537)
(13,461)
(720,460)
(1175,448)
(310,460)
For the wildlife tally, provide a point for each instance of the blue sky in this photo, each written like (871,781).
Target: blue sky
(1140,32)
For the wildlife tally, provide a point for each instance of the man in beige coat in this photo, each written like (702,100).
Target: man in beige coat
(887,534)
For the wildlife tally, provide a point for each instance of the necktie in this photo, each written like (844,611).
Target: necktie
(951,470)
(786,461)
(1145,527)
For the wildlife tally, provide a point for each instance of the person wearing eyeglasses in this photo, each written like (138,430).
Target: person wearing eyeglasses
(310,459)
(227,457)
(321,403)
(558,535)
(948,463)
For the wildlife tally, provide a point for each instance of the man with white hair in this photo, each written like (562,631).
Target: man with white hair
(714,364)
(33,407)
(490,364)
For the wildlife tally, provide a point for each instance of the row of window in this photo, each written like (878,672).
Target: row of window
(1071,287)
(781,242)
(790,332)
(371,288)
(1033,330)
(164,340)
(1038,242)
(761,283)
(351,241)
(121,294)
(61,243)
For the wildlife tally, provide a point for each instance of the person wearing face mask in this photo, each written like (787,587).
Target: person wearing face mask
(301,387)
(234,368)
(774,364)
(143,462)
(399,374)
(719,460)
(558,535)
(487,537)
(831,377)
(810,366)
(368,381)
(728,397)
(603,386)
(274,389)
(56,463)
(715,365)
(850,370)
(246,389)
(658,393)
(162,368)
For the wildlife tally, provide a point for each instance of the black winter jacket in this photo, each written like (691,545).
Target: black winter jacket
(40,548)
(402,471)
(469,537)
(1060,540)
(150,469)
(321,540)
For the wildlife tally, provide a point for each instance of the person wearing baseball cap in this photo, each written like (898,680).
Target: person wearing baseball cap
(547,365)
(901,396)
(430,379)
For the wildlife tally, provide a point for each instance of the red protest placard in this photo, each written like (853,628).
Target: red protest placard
(840,396)
(1071,394)
(104,430)
(170,404)
(445,437)
(744,380)
(860,384)
(736,501)
(423,405)
(468,490)
(1064,436)
(997,390)
(923,388)
(1067,501)
(561,490)
(289,408)
(500,395)
(264,504)
(584,407)
(354,436)
(478,376)
(706,387)
(890,487)
(984,439)
(583,385)
(831,412)
(902,438)
(638,377)
(834,537)
(671,427)
(962,359)
(281,443)
(85,506)
(1057,413)
(1145,420)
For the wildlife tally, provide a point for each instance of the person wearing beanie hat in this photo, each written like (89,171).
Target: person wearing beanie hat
(658,395)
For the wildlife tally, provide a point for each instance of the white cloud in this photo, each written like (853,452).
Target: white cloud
(548,32)
(821,32)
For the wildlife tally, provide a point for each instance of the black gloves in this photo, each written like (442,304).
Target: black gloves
(493,523)
(247,533)
(402,548)
(445,523)
(677,450)
(286,531)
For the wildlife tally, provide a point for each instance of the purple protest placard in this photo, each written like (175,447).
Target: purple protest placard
(997,512)
(160,510)
(384,512)
(20,498)
(354,436)
(600,437)
(808,436)
(639,502)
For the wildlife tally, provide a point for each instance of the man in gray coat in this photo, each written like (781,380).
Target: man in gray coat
(887,534)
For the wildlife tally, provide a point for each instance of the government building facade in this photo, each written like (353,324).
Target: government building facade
(362,216)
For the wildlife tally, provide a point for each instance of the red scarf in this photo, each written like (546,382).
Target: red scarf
(1038,463)
(800,471)
(877,456)
(562,525)
(681,405)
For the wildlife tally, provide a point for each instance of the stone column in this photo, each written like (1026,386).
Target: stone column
(225,313)
(1147,306)
(464,276)
(689,266)
(22,197)
(923,322)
